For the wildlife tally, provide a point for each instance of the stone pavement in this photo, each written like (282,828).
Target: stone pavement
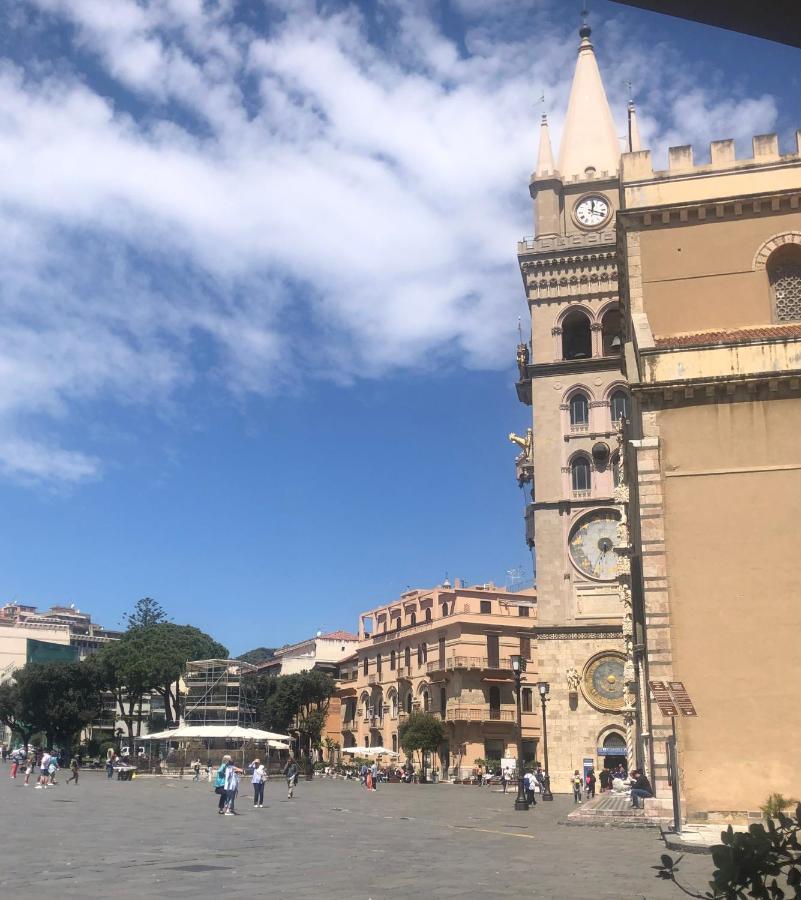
(163,838)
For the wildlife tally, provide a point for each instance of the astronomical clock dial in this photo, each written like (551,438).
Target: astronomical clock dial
(592,543)
(592,211)
(603,681)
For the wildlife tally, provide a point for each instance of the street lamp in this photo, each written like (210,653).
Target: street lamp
(518,667)
(543,688)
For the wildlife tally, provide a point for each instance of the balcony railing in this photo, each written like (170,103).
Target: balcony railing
(350,724)
(478,714)
(470,662)
(581,495)
(579,428)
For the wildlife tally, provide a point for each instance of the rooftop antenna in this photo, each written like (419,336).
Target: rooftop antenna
(629,111)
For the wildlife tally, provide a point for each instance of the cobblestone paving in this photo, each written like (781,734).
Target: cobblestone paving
(163,838)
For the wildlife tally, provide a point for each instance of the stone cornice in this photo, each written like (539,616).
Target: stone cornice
(708,210)
(574,366)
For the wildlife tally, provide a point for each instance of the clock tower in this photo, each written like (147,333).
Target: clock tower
(571,375)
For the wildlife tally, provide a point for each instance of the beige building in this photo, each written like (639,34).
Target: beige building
(571,374)
(711,256)
(323,652)
(446,651)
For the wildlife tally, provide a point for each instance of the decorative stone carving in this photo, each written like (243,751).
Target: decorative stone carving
(526,443)
(522,360)
(573,679)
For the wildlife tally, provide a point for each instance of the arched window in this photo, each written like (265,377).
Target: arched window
(393,704)
(426,701)
(407,657)
(378,663)
(428,615)
(409,702)
(579,411)
(784,273)
(419,654)
(576,336)
(619,406)
(365,666)
(580,474)
(413,618)
(397,624)
(443,701)
(365,705)
(612,332)
(392,657)
(394,743)
(444,610)
(616,469)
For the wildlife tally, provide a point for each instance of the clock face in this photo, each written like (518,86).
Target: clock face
(592,211)
(591,545)
(603,681)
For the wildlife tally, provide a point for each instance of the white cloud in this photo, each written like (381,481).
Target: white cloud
(375,192)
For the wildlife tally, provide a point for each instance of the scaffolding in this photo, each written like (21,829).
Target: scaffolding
(220,692)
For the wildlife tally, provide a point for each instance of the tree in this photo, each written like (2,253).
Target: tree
(421,731)
(170,647)
(147,612)
(56,698)
(750,864)
(12,712)
(299,701)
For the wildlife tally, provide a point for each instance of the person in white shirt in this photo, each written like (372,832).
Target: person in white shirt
(231,788)
(531,782)
(44,770)
(259,774)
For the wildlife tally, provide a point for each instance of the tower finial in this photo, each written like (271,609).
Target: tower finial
(585,31)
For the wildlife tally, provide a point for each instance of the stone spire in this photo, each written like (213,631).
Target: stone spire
(634,131)
(589,139)
(545,164)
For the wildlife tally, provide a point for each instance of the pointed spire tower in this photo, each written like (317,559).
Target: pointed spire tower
(590,145)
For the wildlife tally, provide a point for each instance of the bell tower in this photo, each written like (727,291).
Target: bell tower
(571,375)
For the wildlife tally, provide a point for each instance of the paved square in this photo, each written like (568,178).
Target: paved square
(163,838)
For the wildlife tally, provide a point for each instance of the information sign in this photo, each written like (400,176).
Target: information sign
(663,699)
(681,698)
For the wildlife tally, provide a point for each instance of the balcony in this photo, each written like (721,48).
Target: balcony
(374,679)
(581,495)
(579,428)
(479,714)
(350,724)
(476,662)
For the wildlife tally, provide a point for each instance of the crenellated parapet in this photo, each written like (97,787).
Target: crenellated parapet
(767,172)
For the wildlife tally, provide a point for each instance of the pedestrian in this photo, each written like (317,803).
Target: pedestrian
(258,783)
(231,787)
(576,783)
(110,757)
(604,779)
(44,770)
(75,769)
(196,770)
(28,768)
(374,775)
(291,775)
(363,774)
(14,763)
(530,782)
(640,788)
(219,784)
(590,784)
(504,779)
(52,768)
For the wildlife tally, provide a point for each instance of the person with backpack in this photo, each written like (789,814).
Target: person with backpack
(231,787)
(576,783)
(291,775)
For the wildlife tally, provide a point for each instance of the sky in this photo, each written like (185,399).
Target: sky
(259,295)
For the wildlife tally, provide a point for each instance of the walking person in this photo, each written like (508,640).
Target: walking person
(504,779)
(291,775)
(196,770)
(530,782)
(28,768)
(110,758)
(576,783)
(14,763)
(219,784)
(591,784)
(75,769)
(231,787)
(258,783)
(44,770)
(374,775)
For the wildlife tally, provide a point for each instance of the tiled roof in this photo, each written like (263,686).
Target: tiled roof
(340,636)
(735,336)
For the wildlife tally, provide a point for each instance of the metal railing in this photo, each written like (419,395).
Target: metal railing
(580,495)
(478,714)
(470,662)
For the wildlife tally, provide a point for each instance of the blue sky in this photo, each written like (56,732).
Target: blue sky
(259,291)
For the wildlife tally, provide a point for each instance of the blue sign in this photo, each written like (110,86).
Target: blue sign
(611,751)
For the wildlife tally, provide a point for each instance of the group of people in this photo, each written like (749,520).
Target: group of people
(226,783)
(635,783)
(46,764)
(369,776)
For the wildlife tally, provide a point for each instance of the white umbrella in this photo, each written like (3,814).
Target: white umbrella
(369,751)
(188,732)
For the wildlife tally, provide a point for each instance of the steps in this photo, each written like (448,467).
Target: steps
(616,810)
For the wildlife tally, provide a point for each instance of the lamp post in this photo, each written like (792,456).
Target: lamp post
(518,667)
(543,688)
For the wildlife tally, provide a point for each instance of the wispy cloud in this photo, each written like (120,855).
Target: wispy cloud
(296,196)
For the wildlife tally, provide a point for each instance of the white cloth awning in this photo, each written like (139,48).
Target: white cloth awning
(369,751)
(229,732)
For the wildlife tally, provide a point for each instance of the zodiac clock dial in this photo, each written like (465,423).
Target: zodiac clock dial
(592,542)
(603,681)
